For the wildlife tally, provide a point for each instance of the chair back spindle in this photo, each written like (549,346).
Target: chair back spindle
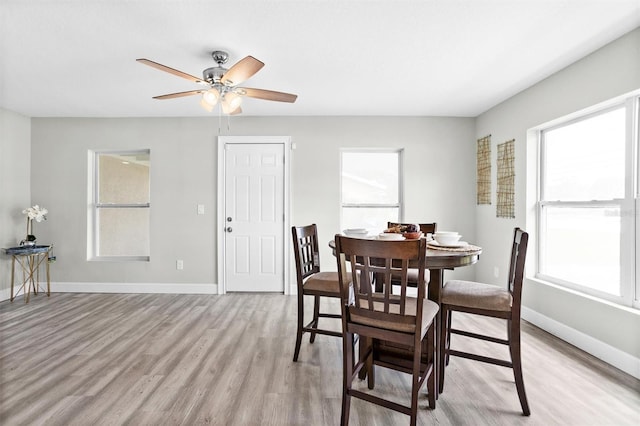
(516,266)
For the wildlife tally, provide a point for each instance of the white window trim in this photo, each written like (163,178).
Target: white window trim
(630,241)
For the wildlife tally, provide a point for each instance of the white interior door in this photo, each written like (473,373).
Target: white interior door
(254,217)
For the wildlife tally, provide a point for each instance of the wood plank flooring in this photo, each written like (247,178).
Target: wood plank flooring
(156,359)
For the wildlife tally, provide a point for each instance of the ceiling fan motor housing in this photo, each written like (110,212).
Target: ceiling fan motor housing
(213,75)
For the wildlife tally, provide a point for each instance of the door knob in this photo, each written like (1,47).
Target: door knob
(229,229)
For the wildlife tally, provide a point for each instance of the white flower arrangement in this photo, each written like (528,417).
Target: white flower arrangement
(35,212)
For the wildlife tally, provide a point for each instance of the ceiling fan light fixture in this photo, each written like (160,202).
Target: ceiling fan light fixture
(230,102)
(204,104)
(211,96)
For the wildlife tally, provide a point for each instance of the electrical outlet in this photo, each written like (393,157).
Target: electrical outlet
(496,271)
(179,265)
(200,208)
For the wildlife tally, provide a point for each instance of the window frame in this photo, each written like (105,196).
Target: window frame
(399,205)
(629,205)
(93,239)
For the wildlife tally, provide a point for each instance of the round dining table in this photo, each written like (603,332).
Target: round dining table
(438,259)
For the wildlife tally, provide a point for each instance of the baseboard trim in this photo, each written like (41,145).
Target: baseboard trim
(609,354)
(85,287)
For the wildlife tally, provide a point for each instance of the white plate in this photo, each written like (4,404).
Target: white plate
(390,236)
(454,245)
(356,231)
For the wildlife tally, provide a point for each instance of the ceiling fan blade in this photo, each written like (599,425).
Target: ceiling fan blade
(268,95)
(241,71)
(171,70)
(179,94)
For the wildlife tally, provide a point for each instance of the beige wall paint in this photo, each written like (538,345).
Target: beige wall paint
(607,73)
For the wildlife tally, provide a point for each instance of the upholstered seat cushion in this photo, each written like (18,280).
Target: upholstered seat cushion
(322,282)
(412,275)
(476,295)
(429,311)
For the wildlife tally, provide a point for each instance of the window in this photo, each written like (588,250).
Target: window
(371,191)
(120,206)
(587,203)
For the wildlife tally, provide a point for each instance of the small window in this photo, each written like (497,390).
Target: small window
(121,206)
(371,191)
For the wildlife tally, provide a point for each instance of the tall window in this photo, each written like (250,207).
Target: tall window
(587,203)
(371,190)
(120,206)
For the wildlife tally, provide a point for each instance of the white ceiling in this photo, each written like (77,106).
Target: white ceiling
(76,58)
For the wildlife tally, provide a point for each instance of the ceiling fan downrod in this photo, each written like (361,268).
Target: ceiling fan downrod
(213,75)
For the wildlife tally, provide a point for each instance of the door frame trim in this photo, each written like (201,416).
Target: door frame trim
(220,223)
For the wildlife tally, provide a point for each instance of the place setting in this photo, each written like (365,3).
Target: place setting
(450,241)
(393,233)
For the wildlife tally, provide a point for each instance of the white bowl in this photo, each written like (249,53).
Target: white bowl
(447,239)
(445,233)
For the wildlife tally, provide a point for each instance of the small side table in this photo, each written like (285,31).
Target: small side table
(29,258)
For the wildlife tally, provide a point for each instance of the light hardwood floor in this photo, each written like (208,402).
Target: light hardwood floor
(150,359)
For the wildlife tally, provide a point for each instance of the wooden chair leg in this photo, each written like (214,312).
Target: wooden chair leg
(316,315)
(415,381)
(431,355)
(448,340)
(347,377)
(368,367)
(514,348)
(362,348)
(445,314)
(296,352)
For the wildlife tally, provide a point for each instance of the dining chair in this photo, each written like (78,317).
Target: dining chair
(425,228)
(492,301)
(312,282)
(394,331)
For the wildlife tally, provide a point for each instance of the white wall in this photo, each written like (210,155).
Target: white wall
(439,169)
(608,331)
(15,195)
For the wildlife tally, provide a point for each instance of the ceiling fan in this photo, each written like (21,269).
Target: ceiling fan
(221,84)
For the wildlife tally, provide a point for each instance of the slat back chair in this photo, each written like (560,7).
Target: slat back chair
(489,300)
(385,322)
(425,228)
(312,282)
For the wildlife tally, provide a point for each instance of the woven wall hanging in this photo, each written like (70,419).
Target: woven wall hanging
(483,171)
(506,180)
